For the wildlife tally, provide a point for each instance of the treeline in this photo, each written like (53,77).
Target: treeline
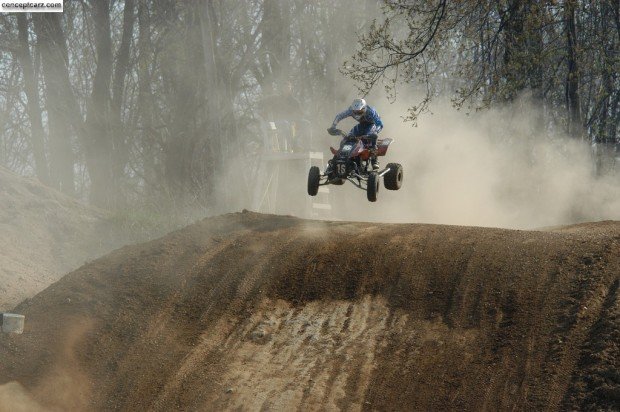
(563,55)
(148,101)
(153,101)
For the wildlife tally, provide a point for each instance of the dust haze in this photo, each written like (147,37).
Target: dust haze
(486,168)
(491,169)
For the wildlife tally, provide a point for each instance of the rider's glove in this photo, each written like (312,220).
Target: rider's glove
(332,131)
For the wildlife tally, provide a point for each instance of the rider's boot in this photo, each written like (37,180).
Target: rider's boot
(374,161)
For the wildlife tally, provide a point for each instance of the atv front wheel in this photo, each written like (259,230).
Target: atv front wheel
(373,187)
(314,178)
(393,179)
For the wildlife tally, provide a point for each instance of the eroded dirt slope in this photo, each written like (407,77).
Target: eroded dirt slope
(275,313)
(43,235)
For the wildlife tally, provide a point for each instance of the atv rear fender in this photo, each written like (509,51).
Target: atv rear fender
(382,146)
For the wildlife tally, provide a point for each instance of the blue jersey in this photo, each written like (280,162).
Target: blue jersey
(370,117)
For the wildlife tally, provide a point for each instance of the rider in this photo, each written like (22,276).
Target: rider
(370,124)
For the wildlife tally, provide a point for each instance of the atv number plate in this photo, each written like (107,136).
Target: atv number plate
(342,168)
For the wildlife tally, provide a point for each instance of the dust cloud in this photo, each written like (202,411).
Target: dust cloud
(487,168)
(14,398)
(494,168)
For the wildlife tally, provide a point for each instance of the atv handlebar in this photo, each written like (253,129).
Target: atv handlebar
(337,132)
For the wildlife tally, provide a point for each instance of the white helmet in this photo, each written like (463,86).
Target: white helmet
(358,106)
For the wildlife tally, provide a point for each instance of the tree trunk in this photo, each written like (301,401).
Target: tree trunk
(119,139)
(187,76)
(98,143)
(219,84)
(145,99)
(535,59)
(51,43)
(32,100)
(601,134)
(616,11)
(514,20)
(208,24)
(572,78)
(270,54)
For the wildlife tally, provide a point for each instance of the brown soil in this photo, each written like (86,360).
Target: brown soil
(256,312)
(43,235)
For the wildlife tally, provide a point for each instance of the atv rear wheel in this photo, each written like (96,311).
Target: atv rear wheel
(314,178)
(393,179)
(373,187)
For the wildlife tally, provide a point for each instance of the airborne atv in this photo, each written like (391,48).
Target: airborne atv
(352,162)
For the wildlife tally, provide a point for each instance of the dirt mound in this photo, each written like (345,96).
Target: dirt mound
(263,312)
(45,234)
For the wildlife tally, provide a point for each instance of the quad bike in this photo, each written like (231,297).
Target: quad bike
(352,162)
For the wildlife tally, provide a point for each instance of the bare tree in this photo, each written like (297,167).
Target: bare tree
(98,141)
(52,46)
(573,103)
(24,57)
(119,134)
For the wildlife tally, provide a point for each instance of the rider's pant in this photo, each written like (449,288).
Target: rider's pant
(369,129)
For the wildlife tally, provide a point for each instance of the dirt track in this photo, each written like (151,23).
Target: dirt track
(277,313)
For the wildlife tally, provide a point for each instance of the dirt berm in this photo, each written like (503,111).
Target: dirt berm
(255,312)
(45,234)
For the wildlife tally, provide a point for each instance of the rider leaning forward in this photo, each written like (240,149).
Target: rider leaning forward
(370,124)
